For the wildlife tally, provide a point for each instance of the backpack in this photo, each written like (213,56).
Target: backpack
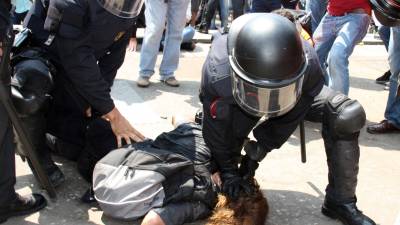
(130,181)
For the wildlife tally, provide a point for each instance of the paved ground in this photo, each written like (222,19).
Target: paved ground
(295,191)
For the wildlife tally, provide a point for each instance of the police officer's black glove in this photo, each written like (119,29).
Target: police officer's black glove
(255,151)
(233,185)
(248,168)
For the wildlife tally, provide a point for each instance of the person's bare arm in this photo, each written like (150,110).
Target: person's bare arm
(152,218)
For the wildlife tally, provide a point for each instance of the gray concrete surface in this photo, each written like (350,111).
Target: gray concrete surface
(295,191)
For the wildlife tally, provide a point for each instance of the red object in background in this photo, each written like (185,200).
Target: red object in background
(341,7)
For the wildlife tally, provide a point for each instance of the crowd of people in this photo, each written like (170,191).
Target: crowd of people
(76,48)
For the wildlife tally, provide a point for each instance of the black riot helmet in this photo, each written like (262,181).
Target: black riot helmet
(387,12)
(122,8)
(267,62)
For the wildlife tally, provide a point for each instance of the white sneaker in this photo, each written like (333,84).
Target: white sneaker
(171,81)
(143,82)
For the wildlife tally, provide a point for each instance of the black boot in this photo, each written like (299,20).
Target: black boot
(347,213)
(343,153)
(22,205)
(88,196)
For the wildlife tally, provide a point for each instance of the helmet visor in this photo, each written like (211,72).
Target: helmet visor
(262,101)
(122,8)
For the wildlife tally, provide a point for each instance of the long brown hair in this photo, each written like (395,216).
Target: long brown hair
(247,210)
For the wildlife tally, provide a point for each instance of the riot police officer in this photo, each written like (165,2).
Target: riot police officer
(262,77)
(85,41)
(11,204)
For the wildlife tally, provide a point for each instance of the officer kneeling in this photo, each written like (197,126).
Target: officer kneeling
(86,42)
(263,77)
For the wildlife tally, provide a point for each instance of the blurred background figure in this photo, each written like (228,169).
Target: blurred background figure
(344,25)
(271,5)
(21,9)
(160,14)
(391,123)
(317,8)
(210,12)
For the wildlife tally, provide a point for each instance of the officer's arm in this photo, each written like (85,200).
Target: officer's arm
(218,136)
(274,132)
(110,63)
(79,61)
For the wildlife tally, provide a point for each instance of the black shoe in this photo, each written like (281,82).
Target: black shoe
(22,205)
(348,213)
(54,173)
(384,78)
(203,28)
(88,197)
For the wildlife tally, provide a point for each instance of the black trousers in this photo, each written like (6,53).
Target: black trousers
(7,158)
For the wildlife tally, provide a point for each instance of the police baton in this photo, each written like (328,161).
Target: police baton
(303,142)
(18,126)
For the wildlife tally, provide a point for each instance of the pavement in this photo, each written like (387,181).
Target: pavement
(295,191)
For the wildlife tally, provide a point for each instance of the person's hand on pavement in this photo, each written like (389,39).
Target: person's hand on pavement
(121,128)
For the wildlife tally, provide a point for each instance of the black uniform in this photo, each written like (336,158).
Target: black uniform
(88,48)
(226,125)
(7,157)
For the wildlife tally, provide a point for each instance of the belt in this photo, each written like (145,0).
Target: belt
(355,11)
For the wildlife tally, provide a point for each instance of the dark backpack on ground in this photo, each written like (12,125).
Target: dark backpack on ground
(130,181)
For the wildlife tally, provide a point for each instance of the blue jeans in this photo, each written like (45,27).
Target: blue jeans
(187,35)
(392,112)
(384,34)
(317,9)
(335,39)
(211,8)
(157,14)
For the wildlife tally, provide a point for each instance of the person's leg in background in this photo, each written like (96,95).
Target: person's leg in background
(384,34)
(392,112)
(289,4)
(195,5)
(176,14)
(209,13)
(265,6)
(324,36)
(317,9)
(224,13)
(238,8)
(353,29)
(155,14)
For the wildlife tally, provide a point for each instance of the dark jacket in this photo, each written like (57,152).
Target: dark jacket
(88,48)
(226,130)
(5,6)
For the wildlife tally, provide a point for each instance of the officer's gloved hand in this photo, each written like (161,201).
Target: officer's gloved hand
(248,168)
(233,185)
(255,151)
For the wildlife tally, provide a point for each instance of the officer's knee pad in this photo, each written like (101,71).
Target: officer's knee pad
(343,116)
(32,83)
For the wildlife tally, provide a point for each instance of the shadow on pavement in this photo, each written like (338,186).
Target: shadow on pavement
(156,88)
(365,84)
